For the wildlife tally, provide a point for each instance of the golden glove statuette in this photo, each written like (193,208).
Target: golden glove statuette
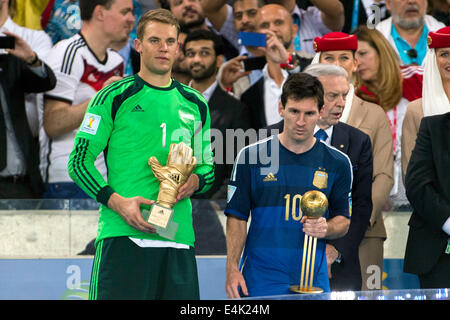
(174,174)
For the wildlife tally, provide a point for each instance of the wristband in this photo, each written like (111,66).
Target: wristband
(36,59)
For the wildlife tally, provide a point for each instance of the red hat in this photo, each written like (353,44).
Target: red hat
(335,41)
(439,39)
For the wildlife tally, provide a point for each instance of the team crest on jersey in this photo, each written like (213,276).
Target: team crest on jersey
(90,123)
(320,179)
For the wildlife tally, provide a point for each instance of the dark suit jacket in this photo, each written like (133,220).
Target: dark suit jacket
(226,112)
(253,97)
(427,185)
(357,146)
(16,79)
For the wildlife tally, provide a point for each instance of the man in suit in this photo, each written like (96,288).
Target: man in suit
(428,190)
(203,52)
(263,96)
(204,55)
(339,48)
(342,254)
(21,71)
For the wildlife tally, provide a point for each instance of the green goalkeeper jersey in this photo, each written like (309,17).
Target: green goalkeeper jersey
(130,121)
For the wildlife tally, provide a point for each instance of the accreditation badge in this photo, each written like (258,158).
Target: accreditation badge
(320,179)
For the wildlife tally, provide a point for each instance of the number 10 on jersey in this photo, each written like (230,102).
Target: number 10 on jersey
(293,210)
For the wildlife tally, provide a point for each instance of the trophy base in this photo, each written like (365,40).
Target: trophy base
(308,290)
(161,218)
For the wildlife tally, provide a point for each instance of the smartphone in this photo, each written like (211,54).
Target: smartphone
(7,42)
(252,39)
(254,63)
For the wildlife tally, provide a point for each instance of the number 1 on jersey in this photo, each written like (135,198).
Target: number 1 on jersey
(163,126)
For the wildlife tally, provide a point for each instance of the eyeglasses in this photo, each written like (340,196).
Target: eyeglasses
(412,53)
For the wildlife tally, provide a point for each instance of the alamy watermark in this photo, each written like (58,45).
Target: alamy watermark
(227,146)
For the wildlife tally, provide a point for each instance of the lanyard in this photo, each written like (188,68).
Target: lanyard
(394,129)
(355,15)
(297,45)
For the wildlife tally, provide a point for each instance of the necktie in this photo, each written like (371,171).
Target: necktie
(321,134)
(2,139)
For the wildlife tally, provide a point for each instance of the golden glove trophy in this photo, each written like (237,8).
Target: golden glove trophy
(314,204)
(171,177)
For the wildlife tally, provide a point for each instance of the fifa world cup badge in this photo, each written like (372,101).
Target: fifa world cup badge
(320,179)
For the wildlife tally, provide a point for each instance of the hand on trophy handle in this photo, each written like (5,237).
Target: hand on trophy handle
(315,227)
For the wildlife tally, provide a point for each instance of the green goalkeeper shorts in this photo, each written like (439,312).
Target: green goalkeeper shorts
(123,270)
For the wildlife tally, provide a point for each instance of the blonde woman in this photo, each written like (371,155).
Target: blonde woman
(380,79)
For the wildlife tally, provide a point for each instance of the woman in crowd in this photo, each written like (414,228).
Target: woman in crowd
(435,91)
(381,79)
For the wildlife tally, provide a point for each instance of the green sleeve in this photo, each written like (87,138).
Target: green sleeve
(203,152)
(90,140)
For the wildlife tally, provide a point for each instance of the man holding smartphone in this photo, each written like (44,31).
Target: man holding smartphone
(21,71)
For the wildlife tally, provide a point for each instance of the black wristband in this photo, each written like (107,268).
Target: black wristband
(36,59)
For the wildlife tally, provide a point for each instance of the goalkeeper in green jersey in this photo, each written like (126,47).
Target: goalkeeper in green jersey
(131,121)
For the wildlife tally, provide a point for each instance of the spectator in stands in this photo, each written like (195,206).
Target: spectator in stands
(324,17)
(83,64)
(192,14)
(262,97)
(62,20)
(407,29)
(390,86)
(21,71)
(203,50)
(232,76)
(180,69)
(435,92)
(339,48)
(440,10)
(365,12)
(41,43)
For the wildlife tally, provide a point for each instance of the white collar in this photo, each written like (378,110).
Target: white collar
(209,91)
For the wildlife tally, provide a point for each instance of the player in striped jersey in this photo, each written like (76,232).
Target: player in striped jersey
(271,261)
(130,121)
(83,65)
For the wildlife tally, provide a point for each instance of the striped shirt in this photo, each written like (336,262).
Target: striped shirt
(79,76)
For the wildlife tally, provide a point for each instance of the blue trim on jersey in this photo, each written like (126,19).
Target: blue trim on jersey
(274,244)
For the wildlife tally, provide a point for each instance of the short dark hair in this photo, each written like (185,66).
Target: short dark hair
(299,86)
(87,7)
(201,34)
(260,3)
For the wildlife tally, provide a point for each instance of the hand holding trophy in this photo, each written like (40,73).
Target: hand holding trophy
(314,204)
(171,177)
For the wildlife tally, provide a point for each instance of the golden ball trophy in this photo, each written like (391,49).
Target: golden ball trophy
(171,177)
(314,204)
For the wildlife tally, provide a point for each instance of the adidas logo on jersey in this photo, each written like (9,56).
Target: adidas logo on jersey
(138,108)
(270,177)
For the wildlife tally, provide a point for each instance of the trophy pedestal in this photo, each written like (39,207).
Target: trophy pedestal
(307,290)
(161,218)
